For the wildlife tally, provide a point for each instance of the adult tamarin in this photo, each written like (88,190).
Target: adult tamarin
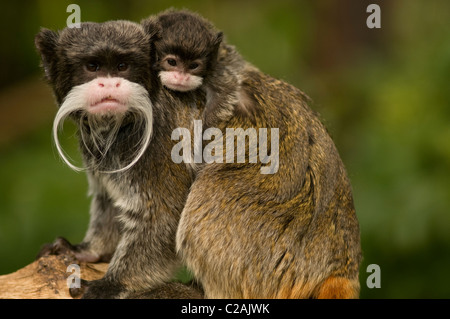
(102,78)
(291,232)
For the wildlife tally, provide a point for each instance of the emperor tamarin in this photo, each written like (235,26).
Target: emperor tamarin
(289,233)
(102,78)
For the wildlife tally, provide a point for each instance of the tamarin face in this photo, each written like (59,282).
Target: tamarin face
(74,56)
(100,74)
(186,51)
(180,74)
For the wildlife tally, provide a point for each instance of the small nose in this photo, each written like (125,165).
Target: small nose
(109,82)
(181,77)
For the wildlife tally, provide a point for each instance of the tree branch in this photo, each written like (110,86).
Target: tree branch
(46,278)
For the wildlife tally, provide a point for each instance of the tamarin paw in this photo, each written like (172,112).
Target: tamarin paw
(103,289)
(62,246)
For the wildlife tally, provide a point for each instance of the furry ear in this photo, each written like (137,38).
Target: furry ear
(152,27)
(218,39)
(216,44)
(46,42)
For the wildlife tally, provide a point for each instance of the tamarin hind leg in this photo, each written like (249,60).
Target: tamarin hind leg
(338,288)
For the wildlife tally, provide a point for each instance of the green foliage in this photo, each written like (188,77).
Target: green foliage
(40,199)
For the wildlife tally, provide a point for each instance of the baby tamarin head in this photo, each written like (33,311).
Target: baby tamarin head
(186,50)
(101,77)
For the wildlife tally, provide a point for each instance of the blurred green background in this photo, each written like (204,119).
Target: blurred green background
(383,94)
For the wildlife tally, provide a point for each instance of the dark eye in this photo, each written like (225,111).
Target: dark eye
(122,67)
(92,66)
(193,66)
(172,62)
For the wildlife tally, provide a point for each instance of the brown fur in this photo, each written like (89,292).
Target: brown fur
(338,288)
(248,235)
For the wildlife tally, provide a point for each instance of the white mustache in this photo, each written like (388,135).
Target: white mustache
(103,129)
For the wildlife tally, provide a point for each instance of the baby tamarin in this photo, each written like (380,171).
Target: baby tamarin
(243,234)
(187,59)
(102,78)
(186,51)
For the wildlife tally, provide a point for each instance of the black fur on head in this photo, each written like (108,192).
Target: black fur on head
(185,34)
(66,53)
